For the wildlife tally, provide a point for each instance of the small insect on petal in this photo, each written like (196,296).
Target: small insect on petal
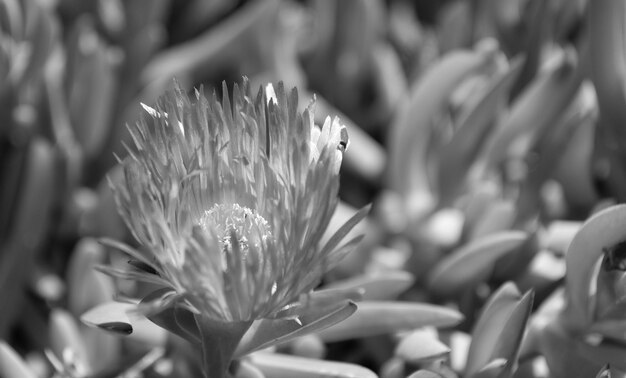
(343,139)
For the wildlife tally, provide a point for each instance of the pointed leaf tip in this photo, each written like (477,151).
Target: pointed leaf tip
(117,327)
(111,316)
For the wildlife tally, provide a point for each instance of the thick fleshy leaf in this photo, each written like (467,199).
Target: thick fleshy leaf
(529,118)
(377,287)
(339,235)
(548,151)
(320,301)
(284,366)
(497,215)
(605,372)
(28,215)
(12,365)
(472,263)
(607,56)
(560,234)
(604,353)
(87,287)
(459,343)
(216,45)
(494,369)
(111,316)
(174,318)
(91,66)
(563,354)
(420,346)
(120,318)
(411,129)
(457,156)
(267,332)
(548,312)
(65,335)
(610,329)
(606,51)
(490,326)
(245,369)
(507,345)
(603,230)
(382,317)
(425,374)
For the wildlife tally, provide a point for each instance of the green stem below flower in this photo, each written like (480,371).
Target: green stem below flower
(219,341)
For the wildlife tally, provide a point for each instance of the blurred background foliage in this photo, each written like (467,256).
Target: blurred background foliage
(484,132)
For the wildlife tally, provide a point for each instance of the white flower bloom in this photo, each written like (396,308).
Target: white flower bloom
(232,198)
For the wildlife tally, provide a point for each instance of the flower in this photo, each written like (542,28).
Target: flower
(231,200)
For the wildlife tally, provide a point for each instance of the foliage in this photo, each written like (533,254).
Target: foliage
(486,135)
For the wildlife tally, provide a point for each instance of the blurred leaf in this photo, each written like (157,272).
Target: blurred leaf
(498,216)
(420,346)
(12,15)
(606,57)
(457,156)
(87,288)
(219,46)
(605,372)
(603,353)
(490,326)
(65,336)
(602,230)
(425,374)
(547,152)
(376,287)
(41,32)
(245,369)
(455,26)
(411,129)
(473,263)
(494,369)
(564,356)
(612,329)
(575,170)
(196,16)
(12,365)
(267,332)
(560,234)
(536,21)
(283,366)
(605,20)
(548,312)
(507,345)
(390,81)
(29,226)
(537,108)
(91,85)
(345,38)
(379,318)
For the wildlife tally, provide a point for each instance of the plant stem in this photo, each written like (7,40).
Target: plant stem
(219,341)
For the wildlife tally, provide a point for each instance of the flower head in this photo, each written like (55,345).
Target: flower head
(232,198)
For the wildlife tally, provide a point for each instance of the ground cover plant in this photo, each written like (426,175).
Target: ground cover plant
(313,188)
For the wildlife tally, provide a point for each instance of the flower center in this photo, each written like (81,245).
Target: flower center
(248,227)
